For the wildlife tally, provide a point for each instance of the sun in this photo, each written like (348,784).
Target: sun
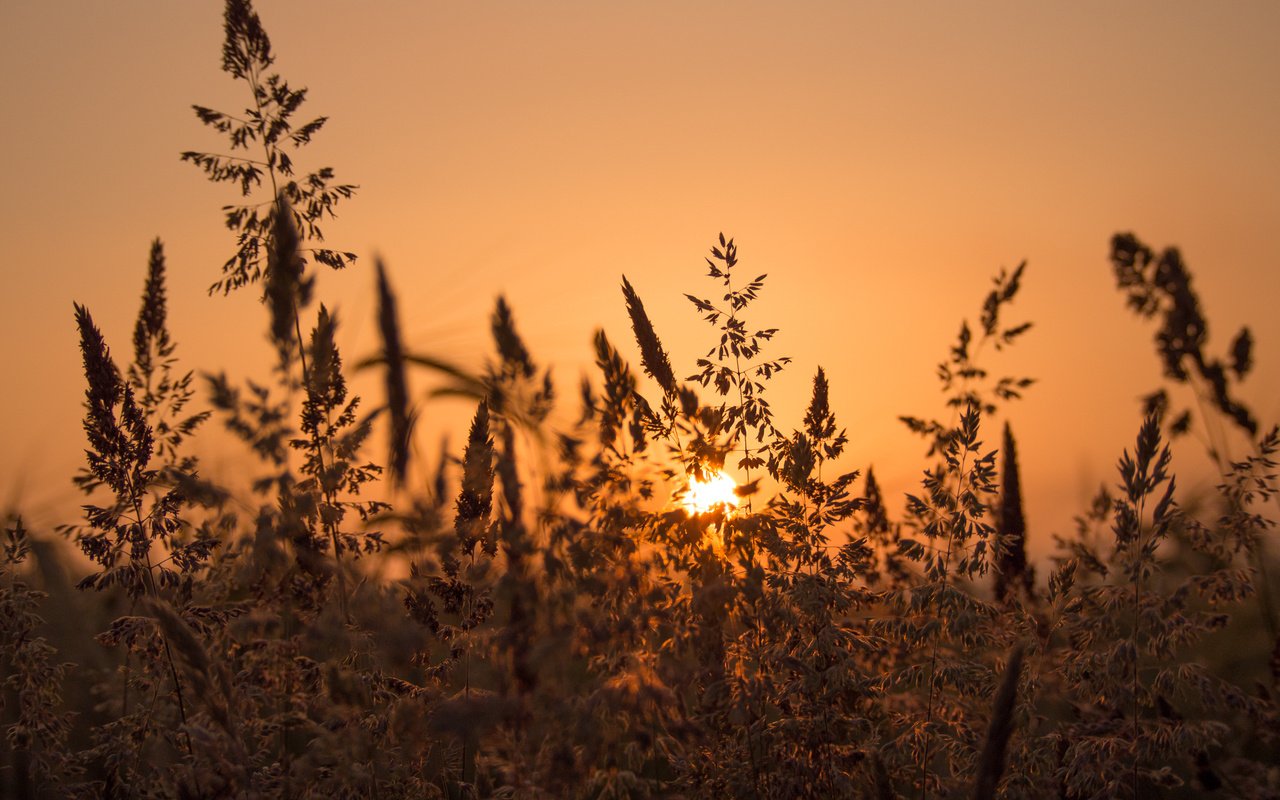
(717,490)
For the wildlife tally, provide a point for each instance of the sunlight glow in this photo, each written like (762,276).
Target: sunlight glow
(717,490)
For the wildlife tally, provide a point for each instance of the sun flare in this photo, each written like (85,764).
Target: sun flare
(717,490)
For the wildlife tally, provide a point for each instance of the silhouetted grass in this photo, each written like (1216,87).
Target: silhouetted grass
(564,626)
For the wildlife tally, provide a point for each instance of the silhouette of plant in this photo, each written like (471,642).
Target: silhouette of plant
(1159,285)
(269,126)
(734,367)
(545,614)
(1013,574)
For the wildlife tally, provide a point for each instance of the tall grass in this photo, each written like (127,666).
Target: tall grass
(565,626)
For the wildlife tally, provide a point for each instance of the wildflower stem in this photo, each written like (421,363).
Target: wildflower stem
(937,634)
(1137,613)
(317,445)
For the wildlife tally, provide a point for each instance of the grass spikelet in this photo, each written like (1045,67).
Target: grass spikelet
(284,281)
(120,446)
(1160,285)
(991,764)
(100,371)
(190,652)
(619,388)
(326,388)
(246,46)
(150,336)
(652,355)
(1012,573)
(511,349)
(475,499)
(820,422)
(396,386)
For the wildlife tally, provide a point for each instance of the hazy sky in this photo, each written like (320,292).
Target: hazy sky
(879,160)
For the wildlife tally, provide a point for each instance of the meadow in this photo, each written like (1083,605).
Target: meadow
(655,588)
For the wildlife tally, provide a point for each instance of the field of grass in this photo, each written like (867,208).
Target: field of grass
(589,609)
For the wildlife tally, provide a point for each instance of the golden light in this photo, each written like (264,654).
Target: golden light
(717,490)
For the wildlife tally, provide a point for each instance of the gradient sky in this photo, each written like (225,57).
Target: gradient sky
(881,161)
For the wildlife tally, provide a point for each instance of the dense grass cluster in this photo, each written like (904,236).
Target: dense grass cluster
(539,614)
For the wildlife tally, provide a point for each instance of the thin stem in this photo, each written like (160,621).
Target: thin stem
(150,585)
(1213,429)
(329,527)
(937,635)
(1257,551)
(1137,613)
(755,617)
(128,669)
(742,423)
(241,159)
(173,668)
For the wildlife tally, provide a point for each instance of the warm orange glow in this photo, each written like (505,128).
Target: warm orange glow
(718,490)
(904,150)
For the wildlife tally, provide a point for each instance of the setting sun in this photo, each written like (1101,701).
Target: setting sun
(719,489)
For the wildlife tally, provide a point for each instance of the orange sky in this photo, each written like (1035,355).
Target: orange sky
(879,163)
